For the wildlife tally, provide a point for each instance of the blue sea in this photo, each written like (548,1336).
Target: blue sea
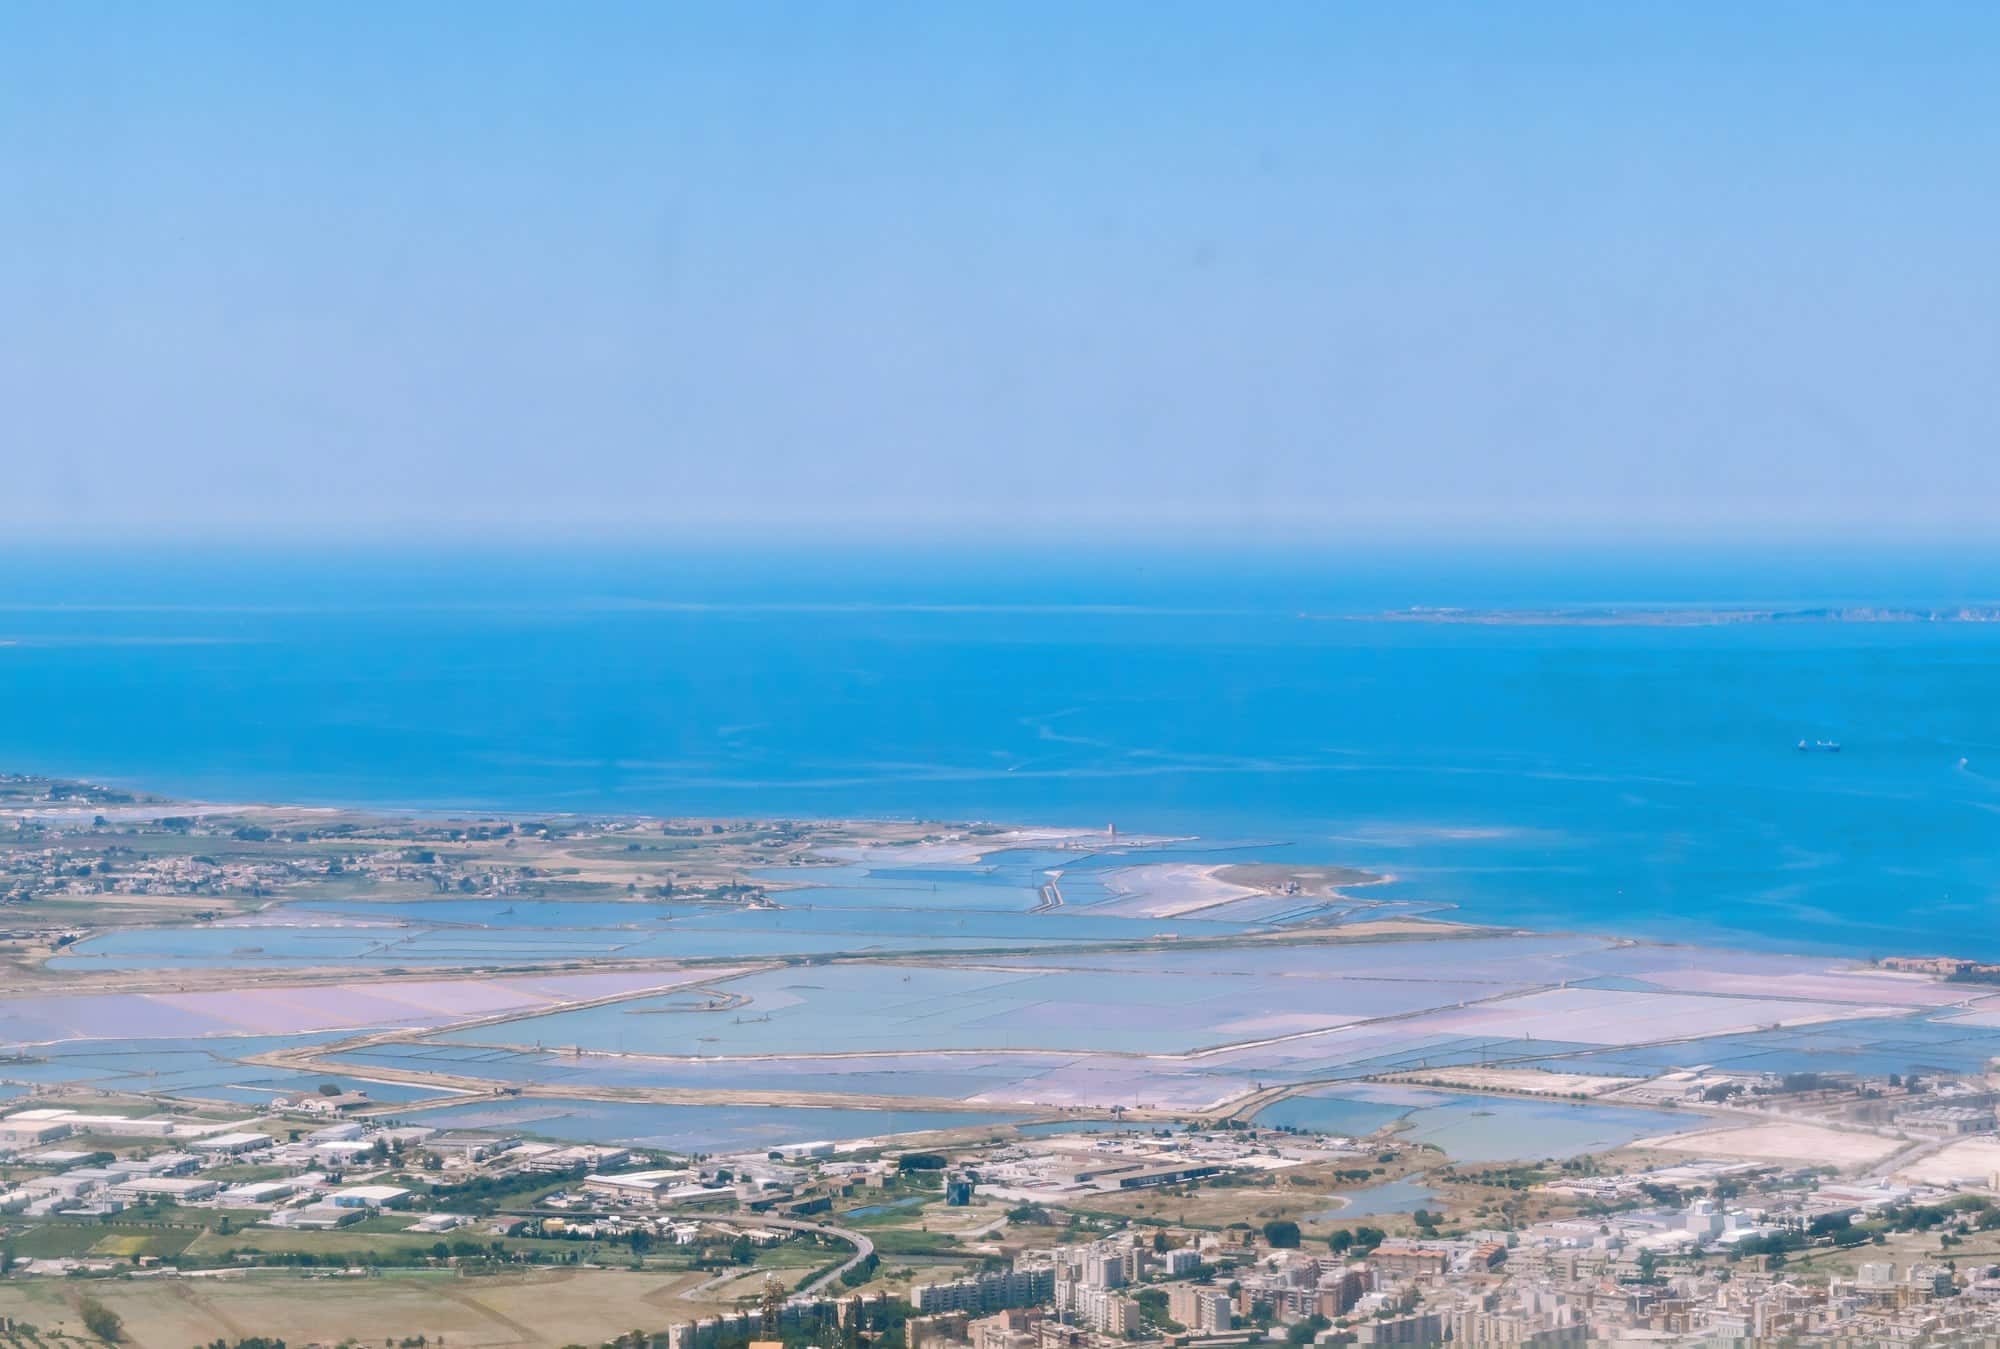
(1634,779)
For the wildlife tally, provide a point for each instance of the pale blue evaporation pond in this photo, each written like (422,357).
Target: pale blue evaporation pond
(446,932)
(694,1128)
(1638,780)
(1403,1195)
(1930,1044)
(846,908)
(1474,1128)
(210,1068)
(956,1078)
(848,1008)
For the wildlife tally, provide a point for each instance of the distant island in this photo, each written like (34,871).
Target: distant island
(1642,617)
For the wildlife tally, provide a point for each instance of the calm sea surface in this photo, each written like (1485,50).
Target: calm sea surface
(1640,780)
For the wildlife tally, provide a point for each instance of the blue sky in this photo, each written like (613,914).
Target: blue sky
(1271,272)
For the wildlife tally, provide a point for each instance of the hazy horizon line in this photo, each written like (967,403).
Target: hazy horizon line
(1191,535)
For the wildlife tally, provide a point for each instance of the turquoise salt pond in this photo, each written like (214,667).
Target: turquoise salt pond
(694,1128)
(1476,1128)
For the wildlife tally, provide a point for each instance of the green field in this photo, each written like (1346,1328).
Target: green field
(57,1239)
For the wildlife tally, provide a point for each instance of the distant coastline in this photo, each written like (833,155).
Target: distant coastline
(1675,617)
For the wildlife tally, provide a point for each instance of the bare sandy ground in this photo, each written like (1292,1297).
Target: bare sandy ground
(1974,1161)
(1780,1141)
(1530,1080)
(972,847)
(546,1307)
(1170,889)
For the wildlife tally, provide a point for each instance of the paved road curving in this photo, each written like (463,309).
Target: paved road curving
(863,1248)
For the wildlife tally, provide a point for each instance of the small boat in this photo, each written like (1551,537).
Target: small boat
(1830,746)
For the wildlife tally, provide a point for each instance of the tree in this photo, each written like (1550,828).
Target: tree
(101,1321)
(1282,1233)
(1340,1241)
(1304,1332)
(329,1089)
